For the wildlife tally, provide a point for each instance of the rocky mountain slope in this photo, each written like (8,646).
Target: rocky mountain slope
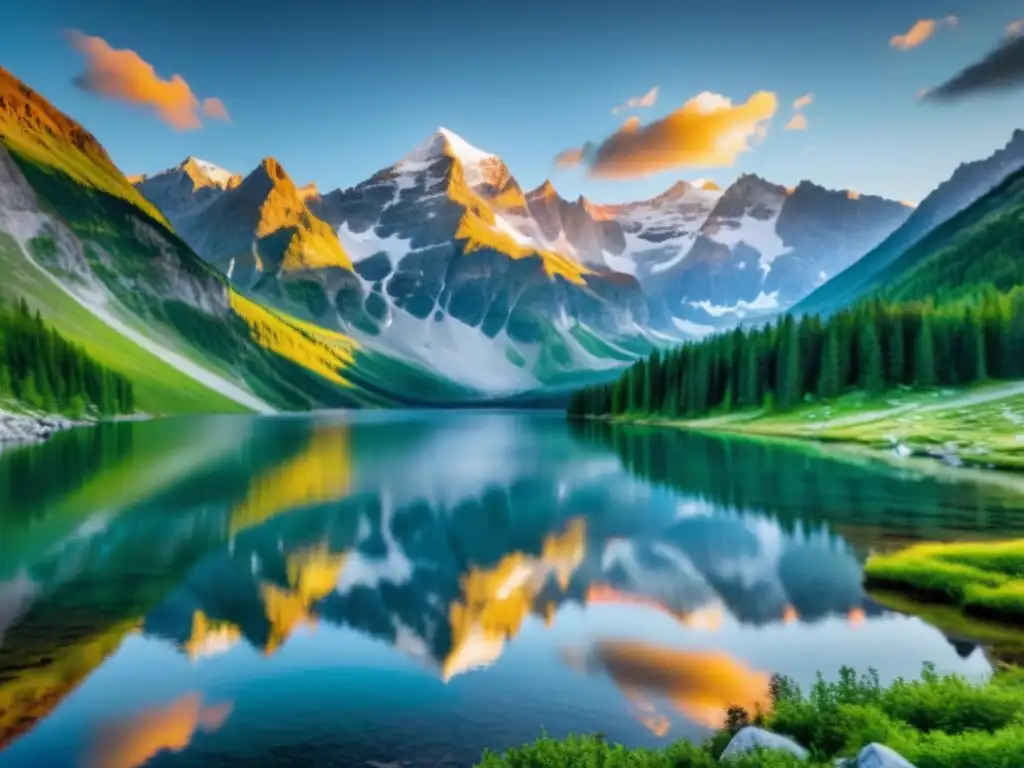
(763,246)
(442,259)
(979,246)
(968,183)
(435,260)
(106,270)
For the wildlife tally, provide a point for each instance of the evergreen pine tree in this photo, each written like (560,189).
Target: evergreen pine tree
(789,377)
(896,372)
(924,354)
(870,357)
(828,378)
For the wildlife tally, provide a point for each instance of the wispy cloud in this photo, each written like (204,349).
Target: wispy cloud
(126,76)
(707,131)
(920,32)
(797,123)
(1001,69)
(804,101)
(649,99)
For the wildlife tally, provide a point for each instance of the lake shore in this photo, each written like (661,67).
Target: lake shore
(984,579)
(944,721)
(27,428)
(980,427)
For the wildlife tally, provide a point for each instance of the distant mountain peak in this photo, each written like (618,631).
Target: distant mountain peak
(444,143)
(546,191)
(203,173)
(273,169)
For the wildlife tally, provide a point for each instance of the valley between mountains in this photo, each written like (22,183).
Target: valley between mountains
(439,281)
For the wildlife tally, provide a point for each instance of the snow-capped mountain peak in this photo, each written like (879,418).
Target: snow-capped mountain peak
(445,143)
(209,171)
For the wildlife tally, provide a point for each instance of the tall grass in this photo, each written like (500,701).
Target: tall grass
(982,578)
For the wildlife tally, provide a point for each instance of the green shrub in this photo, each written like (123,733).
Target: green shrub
(938,721)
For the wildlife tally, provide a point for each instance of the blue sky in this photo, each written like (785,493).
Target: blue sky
(338,90)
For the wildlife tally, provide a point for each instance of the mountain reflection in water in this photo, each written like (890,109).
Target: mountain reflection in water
(681,569)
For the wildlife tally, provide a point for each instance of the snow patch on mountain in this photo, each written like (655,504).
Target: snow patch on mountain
(363,245)
(757,233)
(764,302)
(444,142)
(693,329)
(623,264)
(457,351)
(213,172)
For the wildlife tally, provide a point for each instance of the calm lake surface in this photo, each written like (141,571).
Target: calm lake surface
(337,589)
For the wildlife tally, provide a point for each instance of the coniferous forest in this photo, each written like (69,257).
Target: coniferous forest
(873,346)
(43,370)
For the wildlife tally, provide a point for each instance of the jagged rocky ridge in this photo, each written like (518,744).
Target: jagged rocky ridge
(968,183)
(444,258)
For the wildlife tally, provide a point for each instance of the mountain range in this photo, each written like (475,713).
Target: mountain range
(691,259)
(437,281)
(969,183)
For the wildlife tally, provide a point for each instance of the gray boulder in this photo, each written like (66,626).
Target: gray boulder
(751,738)
(880,756)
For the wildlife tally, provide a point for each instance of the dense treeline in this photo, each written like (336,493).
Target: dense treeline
(43,370)
(873,346)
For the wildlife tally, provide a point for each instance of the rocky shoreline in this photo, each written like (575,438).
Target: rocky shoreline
(21,428)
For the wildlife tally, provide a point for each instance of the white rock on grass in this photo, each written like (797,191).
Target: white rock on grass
(751,738)
(880,756)
(902,450)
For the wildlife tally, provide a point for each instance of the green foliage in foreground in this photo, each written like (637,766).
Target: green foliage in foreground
(873,347)
(43,370)
(981,578)
(939,721)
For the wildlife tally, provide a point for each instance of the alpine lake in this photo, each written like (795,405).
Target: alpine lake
(410,588)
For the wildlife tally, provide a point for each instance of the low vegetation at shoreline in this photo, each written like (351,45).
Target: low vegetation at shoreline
(985,579)
(938,721)
(980,426)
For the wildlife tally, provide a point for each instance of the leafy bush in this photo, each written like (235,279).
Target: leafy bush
(938,721)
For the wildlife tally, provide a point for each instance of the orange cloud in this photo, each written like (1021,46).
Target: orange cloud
(649,99)
(700,685)
(134,741)
(707,131)
(1015,28)
(569,158)
(124,75)
(803,101)
(797,123)
(920,32)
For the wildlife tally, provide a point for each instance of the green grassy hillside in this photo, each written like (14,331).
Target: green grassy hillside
(159,387)
(982,245)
